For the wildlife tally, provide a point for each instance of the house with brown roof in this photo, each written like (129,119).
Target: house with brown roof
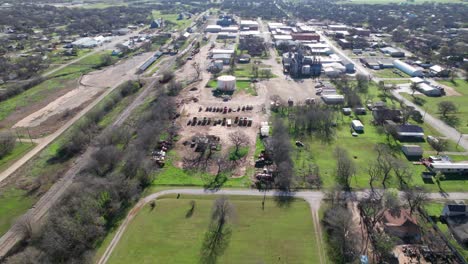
(401,224)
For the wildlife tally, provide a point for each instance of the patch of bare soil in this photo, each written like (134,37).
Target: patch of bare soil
(28,109)
(90,87)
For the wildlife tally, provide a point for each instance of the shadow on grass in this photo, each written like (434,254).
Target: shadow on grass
(191,209)
(284,199)
(216,182)
(452,121)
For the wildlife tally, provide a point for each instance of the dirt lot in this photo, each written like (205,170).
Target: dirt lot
(90,87)
(195,99)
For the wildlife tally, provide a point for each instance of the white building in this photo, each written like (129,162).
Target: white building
(213,28)
(408,69)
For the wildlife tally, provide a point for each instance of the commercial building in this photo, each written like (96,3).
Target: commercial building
(408,69)
(393,52)
(225,58)
(337,27)
(306,36)
(362,32)
(213,28)
(231,29)
(333,99)
(429,90)
(248,25)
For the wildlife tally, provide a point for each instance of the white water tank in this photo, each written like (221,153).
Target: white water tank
(227,83)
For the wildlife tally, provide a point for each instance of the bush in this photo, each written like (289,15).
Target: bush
(7,143)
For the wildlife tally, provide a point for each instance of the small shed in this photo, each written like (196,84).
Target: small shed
(412,151)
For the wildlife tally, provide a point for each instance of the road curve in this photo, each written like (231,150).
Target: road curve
(312,197)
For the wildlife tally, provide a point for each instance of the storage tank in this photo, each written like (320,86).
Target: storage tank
(227,83)
(406,68)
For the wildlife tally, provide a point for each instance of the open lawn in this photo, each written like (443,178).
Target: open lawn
(14,203)
(170,175)
(19,150)
(431,104)
(168,234)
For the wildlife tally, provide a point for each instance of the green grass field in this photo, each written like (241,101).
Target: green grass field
(167,235)
(461,102)
(170,175)
(19,150)
(361,149)
(14,203)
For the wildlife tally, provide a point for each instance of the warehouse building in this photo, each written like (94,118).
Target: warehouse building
(393,52)
(213,28)
(306,36)
(408,69)
(248,25)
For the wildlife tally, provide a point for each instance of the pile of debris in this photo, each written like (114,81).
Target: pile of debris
(200,143)
(159,155)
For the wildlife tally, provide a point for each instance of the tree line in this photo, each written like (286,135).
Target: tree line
(112,179)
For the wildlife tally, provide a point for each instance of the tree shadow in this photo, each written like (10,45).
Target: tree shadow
(452,121)
(284,198)
(215,243)
(190,210)
(216,183)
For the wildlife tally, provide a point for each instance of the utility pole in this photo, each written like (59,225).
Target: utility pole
(458,142)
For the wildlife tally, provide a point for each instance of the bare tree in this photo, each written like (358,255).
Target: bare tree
(384,162)
(30,255)
(415,198)
(345,167)
(7,143)
(341,236)
(362,83)
(198,70)
(414,88)
(402,172)
(238,139)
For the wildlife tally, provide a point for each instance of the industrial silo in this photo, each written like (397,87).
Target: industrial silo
(227,83)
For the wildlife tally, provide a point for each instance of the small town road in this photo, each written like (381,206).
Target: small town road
(446,130)
(313,198)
